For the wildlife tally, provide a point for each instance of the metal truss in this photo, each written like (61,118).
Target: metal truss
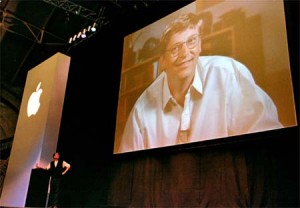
(76,9)
(35,34)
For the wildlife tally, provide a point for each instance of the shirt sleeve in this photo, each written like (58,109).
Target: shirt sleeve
(65,164)
(251,109)
(132,138)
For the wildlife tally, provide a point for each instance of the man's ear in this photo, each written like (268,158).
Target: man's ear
(162,63)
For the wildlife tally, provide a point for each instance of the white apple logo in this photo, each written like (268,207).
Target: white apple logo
(34,101)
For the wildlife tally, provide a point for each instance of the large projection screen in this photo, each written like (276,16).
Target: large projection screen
(252,33)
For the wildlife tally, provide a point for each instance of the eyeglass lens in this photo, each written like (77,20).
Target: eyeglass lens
(190,44)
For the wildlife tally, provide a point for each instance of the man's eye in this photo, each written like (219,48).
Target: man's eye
(174,49)
(191,40)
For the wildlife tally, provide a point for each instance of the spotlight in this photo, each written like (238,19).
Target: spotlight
(93,29)
(74,38)
(83,35)
(79,34)
(78,11)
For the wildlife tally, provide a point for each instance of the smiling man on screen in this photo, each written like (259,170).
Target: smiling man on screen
(196,98)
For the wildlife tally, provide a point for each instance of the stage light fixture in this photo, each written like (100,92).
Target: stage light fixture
(79,34)
(89,28)
(74,37)
(83,35)
(93,29)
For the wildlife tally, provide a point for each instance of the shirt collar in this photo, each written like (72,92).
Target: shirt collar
(166,92)
(197,85)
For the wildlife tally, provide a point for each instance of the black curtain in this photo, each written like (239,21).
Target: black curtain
(256,173)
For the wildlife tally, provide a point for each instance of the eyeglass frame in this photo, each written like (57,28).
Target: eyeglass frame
(178,46)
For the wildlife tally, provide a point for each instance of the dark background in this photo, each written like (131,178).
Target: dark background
(253,170)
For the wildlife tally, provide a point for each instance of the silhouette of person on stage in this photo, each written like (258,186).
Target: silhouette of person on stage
(57,169)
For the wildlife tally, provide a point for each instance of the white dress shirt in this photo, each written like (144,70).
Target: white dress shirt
(64,164)
(223,100)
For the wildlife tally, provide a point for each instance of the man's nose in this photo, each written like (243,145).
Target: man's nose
(183,50)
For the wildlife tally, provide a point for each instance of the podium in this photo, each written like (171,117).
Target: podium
(38,188)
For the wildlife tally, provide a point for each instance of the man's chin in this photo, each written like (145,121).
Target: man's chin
(185,73)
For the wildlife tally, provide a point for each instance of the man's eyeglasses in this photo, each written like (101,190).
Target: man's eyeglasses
(191,43)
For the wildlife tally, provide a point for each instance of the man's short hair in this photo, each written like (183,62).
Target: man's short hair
(181,23)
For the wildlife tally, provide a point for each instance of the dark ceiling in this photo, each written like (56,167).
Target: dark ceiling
(33,30)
